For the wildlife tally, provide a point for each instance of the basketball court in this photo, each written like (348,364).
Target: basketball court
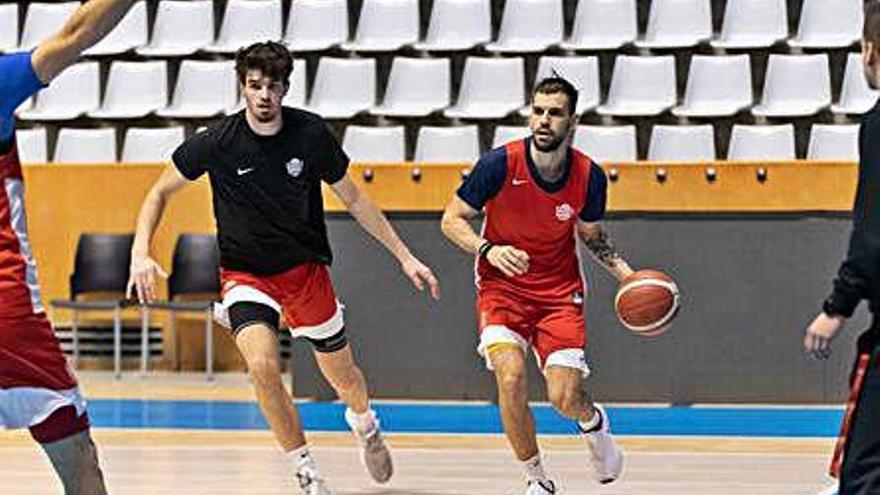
(172,433)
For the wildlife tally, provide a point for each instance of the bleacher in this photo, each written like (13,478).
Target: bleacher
(443,80)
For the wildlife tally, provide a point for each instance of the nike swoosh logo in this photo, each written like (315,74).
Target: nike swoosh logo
(243,171)
(519,182)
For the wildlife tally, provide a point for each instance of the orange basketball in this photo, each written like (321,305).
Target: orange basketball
(647,302)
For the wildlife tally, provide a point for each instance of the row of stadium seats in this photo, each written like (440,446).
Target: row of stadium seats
(460,144)
(185,27)
(490,88)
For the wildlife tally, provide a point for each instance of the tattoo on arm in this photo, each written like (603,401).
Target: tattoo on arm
(602,248)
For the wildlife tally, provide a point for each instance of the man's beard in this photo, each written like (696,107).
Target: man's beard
(551,146)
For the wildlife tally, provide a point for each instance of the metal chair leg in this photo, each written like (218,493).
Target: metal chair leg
(117,343)
(145,339)
(209,344)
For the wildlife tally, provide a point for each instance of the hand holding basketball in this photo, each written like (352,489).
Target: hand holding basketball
(647,302)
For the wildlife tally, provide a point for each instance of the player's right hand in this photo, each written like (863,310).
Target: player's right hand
(142,278)
(510,260)
(820,333)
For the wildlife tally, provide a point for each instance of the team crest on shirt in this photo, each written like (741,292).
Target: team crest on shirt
(564,212)
(294,167)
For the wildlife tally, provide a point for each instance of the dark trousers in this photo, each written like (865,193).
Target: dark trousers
(860,471)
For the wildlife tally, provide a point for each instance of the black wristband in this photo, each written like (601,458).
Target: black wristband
(483,251)
(829,309)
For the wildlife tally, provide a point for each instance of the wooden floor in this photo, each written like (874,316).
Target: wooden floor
(166,462)
(218,463)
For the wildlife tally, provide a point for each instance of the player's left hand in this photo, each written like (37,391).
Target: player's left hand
(820,333)
(419,275)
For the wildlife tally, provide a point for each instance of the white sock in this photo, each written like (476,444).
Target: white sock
(301,457)
(591,424)
(362,423)
(534,468)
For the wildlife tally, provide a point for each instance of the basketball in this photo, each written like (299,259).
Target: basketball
(647,302)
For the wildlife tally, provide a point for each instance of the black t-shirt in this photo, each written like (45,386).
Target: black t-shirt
(267,189)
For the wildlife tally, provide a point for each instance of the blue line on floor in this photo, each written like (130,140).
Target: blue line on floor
(477,418)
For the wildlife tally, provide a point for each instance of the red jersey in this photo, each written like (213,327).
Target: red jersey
(524,211)
(19,291)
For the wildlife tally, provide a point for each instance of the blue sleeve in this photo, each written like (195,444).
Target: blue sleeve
(485,180)
(594,209)
(18,81)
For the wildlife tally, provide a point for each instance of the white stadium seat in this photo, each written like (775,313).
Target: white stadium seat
(316,25)
(8,27)
(753,24)
(582,72)
(795,86)
(603,25)
(182,27)
(669,28)
(686,143)
(247,22)
(459,144)
(134,90)
(130,33)
(365,144)
(856,96)
(641,86)
(385,26)
(761,142)
(204,89)
(416,87)
(73,93)
(151,145)
(458,25)
(490,88)
(343,87)
(85,146)
(33,145)
(829,24)
(529,26)
(506,133)
(44,20)
(717,86)
(608,143)
(834,142)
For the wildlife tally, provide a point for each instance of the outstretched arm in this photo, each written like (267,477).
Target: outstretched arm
(599,244)
(87,26)
(376,224)
(144,269)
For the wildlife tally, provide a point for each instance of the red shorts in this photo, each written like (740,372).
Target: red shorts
(555,331)
(35,378)
(303,295)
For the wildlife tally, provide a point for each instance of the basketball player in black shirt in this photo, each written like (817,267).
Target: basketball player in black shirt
(856,462)
(266,164)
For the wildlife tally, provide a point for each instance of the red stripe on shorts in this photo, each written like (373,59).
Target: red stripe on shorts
(858,379)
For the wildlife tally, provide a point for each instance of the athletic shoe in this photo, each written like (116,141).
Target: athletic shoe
(311,482)
(545,487)
(605,456)
(375,455)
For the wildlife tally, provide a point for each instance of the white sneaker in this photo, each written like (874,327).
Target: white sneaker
(311,482)
(546,487)
(605,456)
(375,455)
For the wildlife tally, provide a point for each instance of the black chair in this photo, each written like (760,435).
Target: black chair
(193,286)
(100,273)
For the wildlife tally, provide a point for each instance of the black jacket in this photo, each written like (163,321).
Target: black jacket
(858,276)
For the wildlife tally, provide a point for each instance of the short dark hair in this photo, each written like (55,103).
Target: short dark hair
(871,31)
(558,84)
(270,57)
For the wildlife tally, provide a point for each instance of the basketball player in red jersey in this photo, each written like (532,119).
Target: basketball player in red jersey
(37,389)
(538,193)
